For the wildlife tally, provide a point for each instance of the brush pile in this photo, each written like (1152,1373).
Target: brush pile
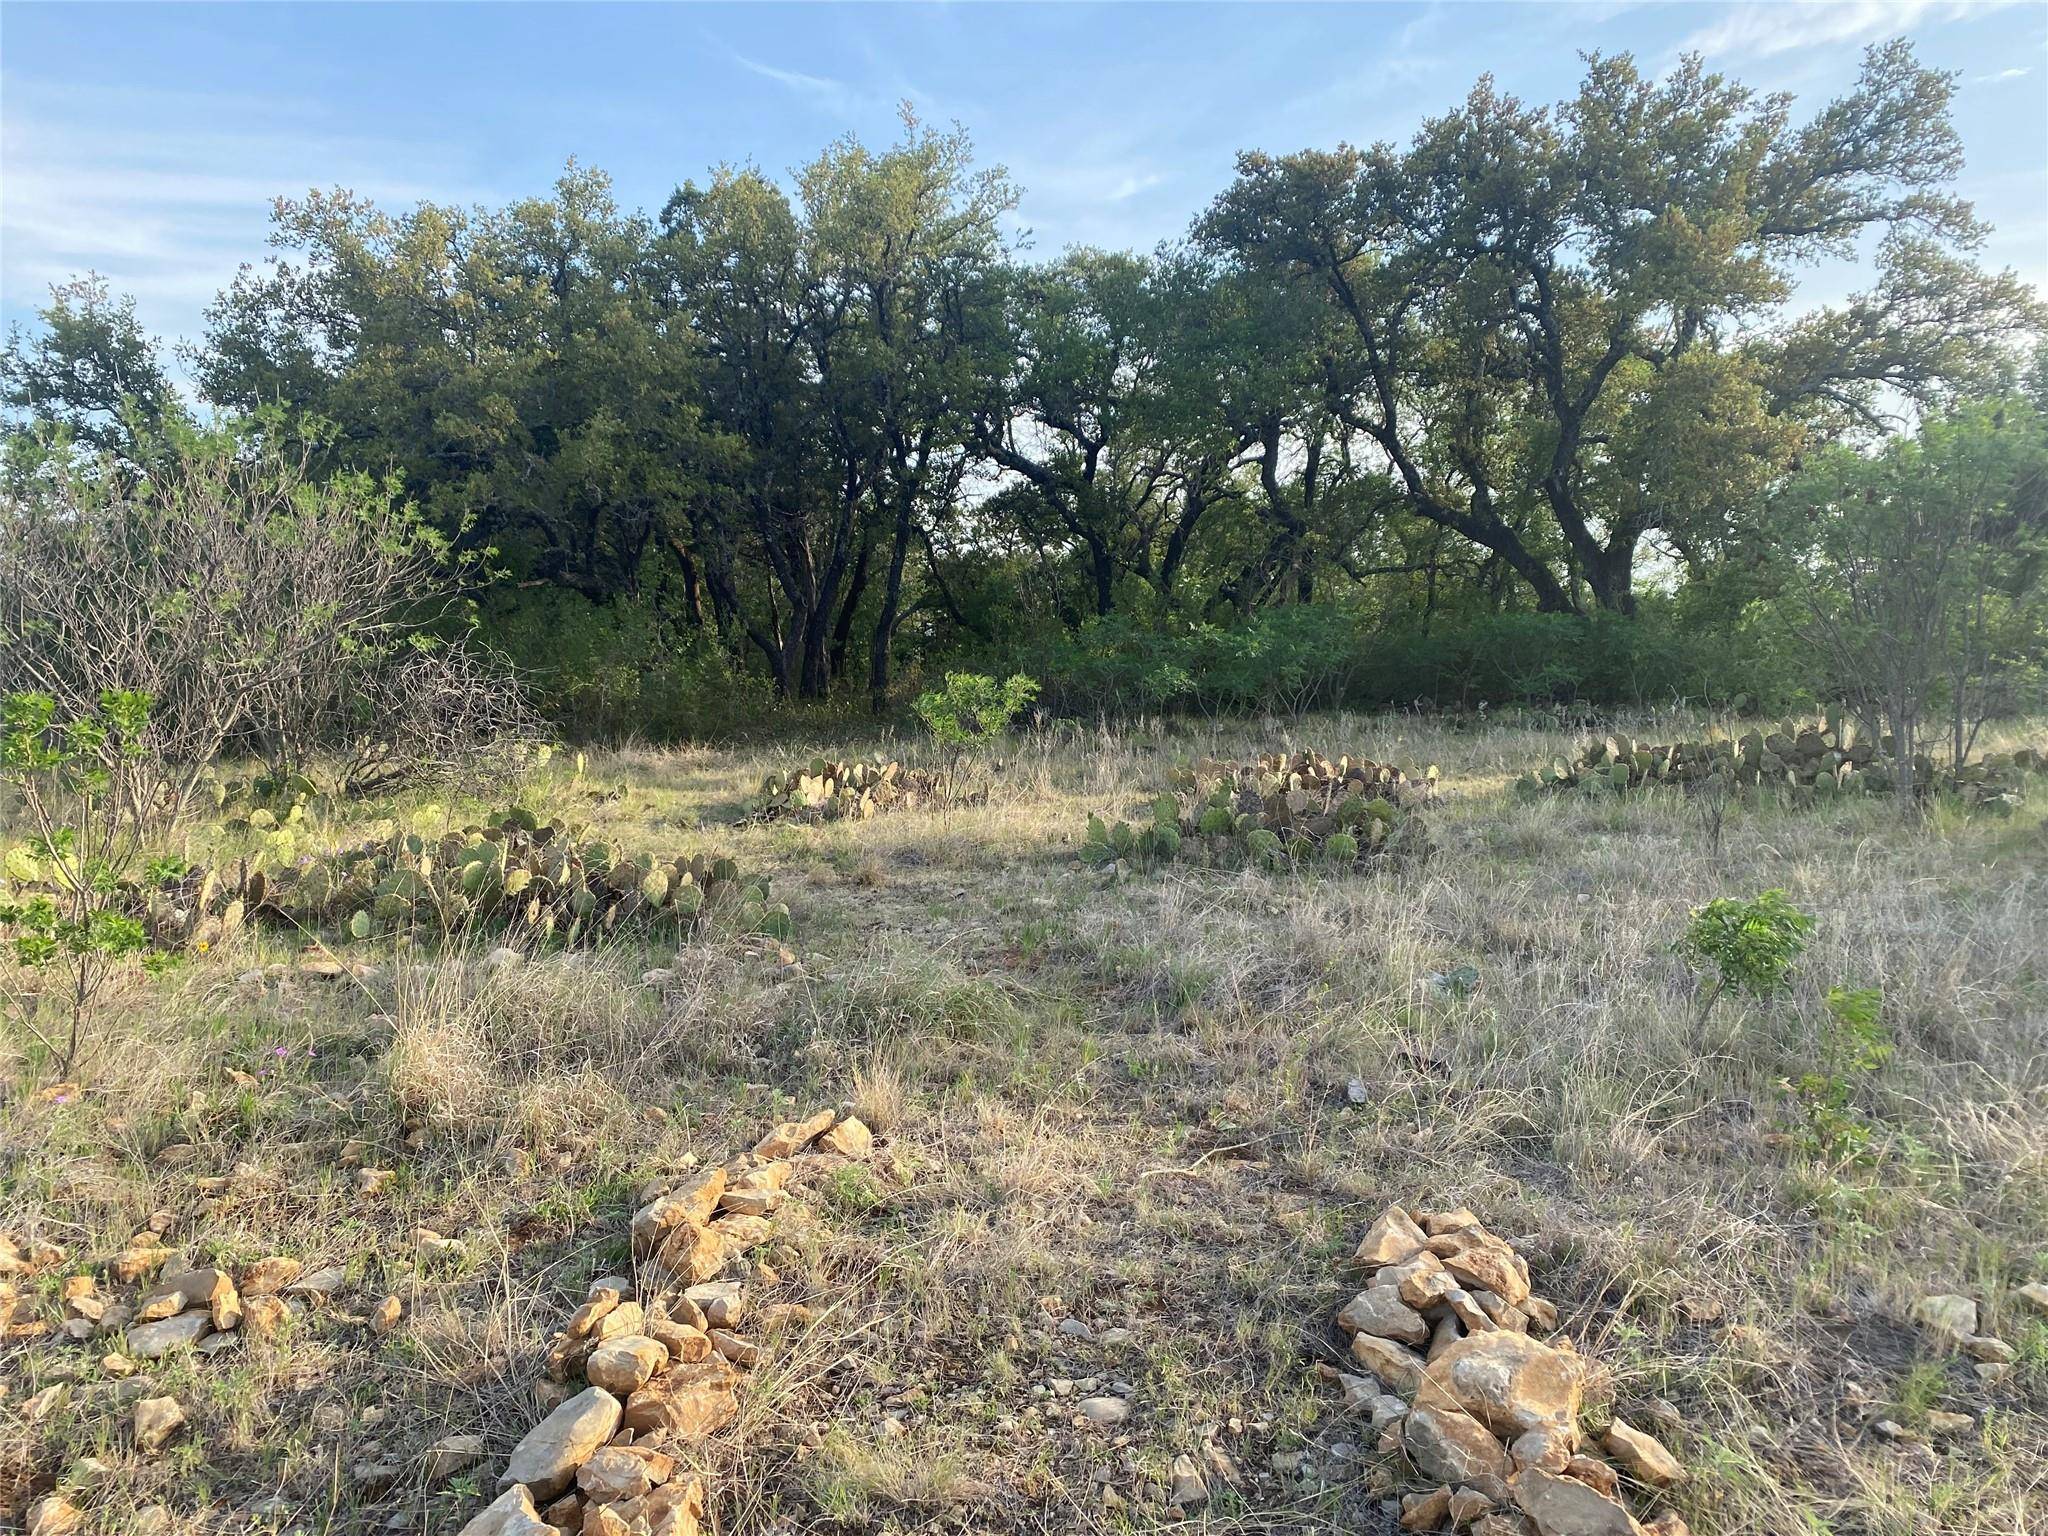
(1455,1376)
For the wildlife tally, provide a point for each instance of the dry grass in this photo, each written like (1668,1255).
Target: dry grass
(1125,1104)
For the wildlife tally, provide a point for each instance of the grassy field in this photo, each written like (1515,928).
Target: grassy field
(1130,1130)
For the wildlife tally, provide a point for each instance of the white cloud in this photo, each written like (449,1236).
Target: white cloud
(2015,73)
(165,193)
(1784,26)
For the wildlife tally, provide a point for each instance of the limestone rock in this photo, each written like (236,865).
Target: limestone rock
(692,1252)
(266,1277)
(1425,1511)
(156,1420)
(546,1460)
(152,1341)
(1379,1310)
(1467,1505)
(1395,1364)
(849,1138)
(1563,1506)
(512,1514)
(794,1135)
(676,1509)
(682,1341)
(1104,1410)
(1642,1456)
(1392,1237)
(263,1315)
(54,1516)
(693,1203)
(1993,1351)
(1510,1382)
(385,1316)
(687,1401)
(1188,1489)
(452,1454)
(722,1303)
(2035,1294)
(1452,1446)
(625,1364)
(1953,1318)
(1595,1474)
(613,1474)
(741,1352)
(1942,1422)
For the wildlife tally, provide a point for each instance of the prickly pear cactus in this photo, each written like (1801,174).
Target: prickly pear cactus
(1280,812)
(514,875)
(1803,762)
(822,790)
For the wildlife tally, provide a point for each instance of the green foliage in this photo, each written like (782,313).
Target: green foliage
(1751,945)
(974,709)
(1854,1046)
(1280,812)
(538,882)
(60,901)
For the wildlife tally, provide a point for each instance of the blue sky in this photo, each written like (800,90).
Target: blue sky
(145,142)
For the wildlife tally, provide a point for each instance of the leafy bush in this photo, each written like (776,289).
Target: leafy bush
(59,903)
(1751,945)
(973,709)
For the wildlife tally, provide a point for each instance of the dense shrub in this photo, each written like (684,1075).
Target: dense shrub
(1309,657)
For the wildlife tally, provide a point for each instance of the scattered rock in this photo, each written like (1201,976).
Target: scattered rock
(1942,1422)
(625,1364)
(266,1277)
(1563,1506)
(1990,1350)
(385,1316)
(1188,1489)
(512,1514)
(152,1341)
(452,1454)
(156,1420)
(54,1516)
(1425,1511)
(1451,1445)
(849,1138)
(1642,1456)
(688,1402)
(793,1136)
(1380,1311)
(1952,1318)
(2035,1294)
(546,1460)
(1104,1410)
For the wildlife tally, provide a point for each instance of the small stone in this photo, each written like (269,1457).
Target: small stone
(452,1454)
(682,1341)
(152,1341)
(385,1316)
(503,958)
(1392,1237)
(1595,1474)
(625,1364)
(1564,1506)
(156,1420)
(688,1402)
(546,1460)
(512,1514)
(849,1138)
(263,1315)
(1188,1489)
(1992,1351)
(1394,1364)
(1437,1223)
(1991,1375)
(741,1352)
(1953,1318)
(266,1277)
(722,1303)
(613,1474)
(1942,1422)
(1642,1456)
(2035,1294)
(1467,1505)
(1425,1511)
(54,1516)
(793,1136)
(1449,1444)
(1380,1310)
(320,1283)
(372,1181)
(1104,1410)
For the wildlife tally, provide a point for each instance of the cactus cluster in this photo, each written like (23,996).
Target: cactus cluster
(515,873)
(1279,812)
(826,791)
(1818,760)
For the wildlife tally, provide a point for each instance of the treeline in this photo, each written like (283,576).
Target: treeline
(1539,361)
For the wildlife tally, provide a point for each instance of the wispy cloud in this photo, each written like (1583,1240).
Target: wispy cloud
(166,194)
(1998,76)
(1783,26)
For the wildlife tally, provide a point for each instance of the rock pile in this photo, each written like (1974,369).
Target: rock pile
(1455,1377)
(660,1362)
(1953,1321)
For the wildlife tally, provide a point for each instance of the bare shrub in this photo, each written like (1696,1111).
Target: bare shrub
(260,609)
